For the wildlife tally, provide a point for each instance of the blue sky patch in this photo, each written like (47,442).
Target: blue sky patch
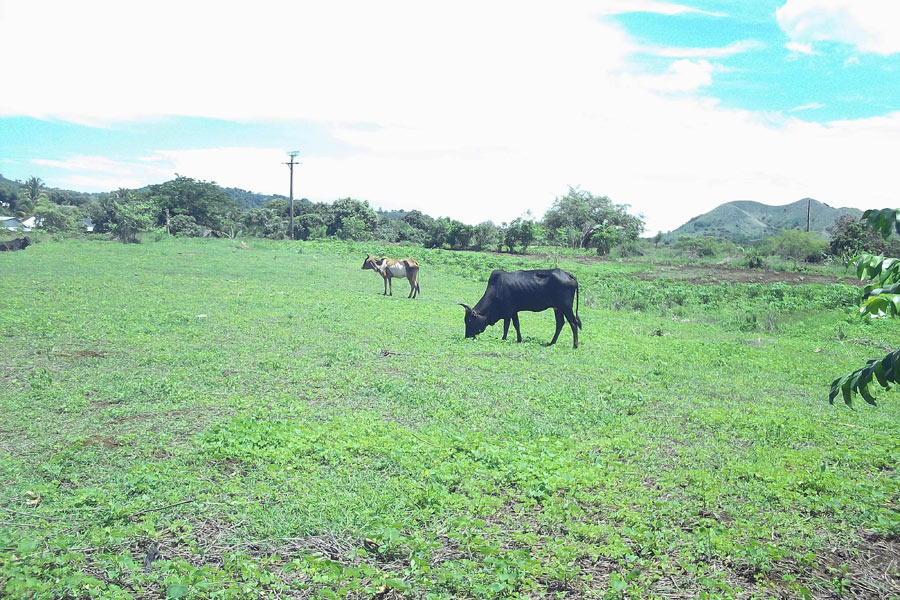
(834,83)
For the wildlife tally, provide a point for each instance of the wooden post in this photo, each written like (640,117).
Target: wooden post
(293,154)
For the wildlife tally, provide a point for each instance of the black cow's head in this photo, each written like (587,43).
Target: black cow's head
(369,263)
(26,241)
(475,321)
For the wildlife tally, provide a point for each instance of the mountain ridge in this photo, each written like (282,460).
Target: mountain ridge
(744,221)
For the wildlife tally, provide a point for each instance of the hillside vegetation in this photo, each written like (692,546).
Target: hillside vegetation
(184,418)
(746,221)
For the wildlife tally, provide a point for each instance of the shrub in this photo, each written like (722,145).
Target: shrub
(704,246)
(799,246)
(185,226)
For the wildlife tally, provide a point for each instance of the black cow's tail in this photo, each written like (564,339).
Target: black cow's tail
(577,320)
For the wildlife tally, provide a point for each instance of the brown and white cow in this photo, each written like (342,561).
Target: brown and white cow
(388,268)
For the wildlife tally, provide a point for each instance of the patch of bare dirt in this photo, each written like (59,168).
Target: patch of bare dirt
(701,275)
(107,441)
(870,571)
(81,354)
(215,542)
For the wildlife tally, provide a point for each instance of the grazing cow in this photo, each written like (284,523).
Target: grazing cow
(509,293)
(388,268)
(16,244)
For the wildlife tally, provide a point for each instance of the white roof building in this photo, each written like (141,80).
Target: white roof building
(11,223)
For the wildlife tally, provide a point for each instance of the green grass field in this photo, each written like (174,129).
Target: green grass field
(186,419)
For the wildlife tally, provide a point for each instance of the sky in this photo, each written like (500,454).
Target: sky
(474,110)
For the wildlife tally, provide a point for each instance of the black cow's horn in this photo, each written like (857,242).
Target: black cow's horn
(465,306)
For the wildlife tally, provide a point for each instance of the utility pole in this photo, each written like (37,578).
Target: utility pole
(293,154)
(808,201)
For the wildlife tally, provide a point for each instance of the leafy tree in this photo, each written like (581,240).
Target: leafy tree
(364,218)
(8,195)
(130,213)
(485,235)
(850,237)
(354,228)
(24,207)
(598,222)
(209,205)
(311,226)
(266,222)
(460,235)
(437,233)
(100,210)
(56,219)
(880,298)
(34,189)
(387,229)
(656,239)
(68,198)
(521,232)
(501,236)
(417,220)
(282,208)
(408,233)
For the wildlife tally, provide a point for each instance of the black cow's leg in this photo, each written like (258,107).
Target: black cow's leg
(570,317)
(505,327)
(515,320)
(560,320)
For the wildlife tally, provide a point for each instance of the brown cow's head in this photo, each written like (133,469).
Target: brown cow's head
(369,263)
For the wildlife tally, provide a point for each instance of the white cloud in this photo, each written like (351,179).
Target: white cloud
(738,47)
(612,7)
(810,106)
(98,164)
(681,76)
(101,173)
(868,25)
(482,110)
(800,48)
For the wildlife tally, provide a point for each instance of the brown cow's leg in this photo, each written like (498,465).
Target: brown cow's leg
(515,320)
(385,285)
(413,277)
(560,320)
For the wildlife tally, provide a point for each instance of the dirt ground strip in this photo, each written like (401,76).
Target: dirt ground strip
(717,274)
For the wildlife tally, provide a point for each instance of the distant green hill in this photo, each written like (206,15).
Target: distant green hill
(745,221)
(10,182)
(247,199)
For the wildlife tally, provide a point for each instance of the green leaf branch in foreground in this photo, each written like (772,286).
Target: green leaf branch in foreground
(880,298)
(885,371)
(882,220)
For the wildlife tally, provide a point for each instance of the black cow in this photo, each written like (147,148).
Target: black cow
(16,244)
(509,293)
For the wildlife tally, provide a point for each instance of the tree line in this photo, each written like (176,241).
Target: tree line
(193,208)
